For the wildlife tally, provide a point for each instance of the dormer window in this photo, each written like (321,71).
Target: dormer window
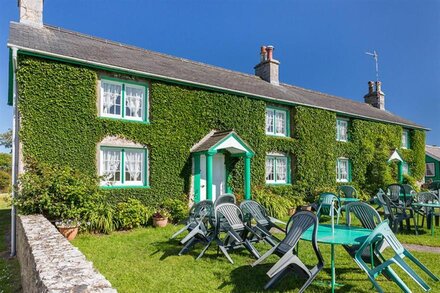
(277,122)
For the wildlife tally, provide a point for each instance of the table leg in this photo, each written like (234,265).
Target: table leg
(332,265)
(432,222)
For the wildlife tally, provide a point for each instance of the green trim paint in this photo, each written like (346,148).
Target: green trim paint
(209,157)
(247,177)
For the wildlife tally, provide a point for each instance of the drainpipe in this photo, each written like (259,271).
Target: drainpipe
(15,148)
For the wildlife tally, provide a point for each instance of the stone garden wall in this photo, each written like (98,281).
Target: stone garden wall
(49,263)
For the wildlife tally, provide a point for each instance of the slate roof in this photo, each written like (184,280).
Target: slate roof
(58,42)
(210,140)
(433,151)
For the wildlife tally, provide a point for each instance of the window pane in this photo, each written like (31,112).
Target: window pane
(270,169)
(111,168)
(342,130)
(405,169)
(134,101)
(281,171)
(134,166)
(269,121)
(430,169)
(404,139)
(342,170)
(280,122)
(111,98)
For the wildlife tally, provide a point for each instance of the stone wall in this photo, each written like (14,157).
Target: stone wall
(49,263)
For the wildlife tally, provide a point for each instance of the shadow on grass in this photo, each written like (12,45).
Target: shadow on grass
(253,279)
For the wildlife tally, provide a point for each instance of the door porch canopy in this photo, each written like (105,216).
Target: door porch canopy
(395,156)
(217,142)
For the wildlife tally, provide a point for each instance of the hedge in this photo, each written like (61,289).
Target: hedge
(60,125)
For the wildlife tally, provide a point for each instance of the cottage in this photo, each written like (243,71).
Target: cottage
(154,126)
(432,163)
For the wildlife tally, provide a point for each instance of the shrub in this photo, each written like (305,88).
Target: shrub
(130,214)
(177,207)
(99,215)
(407,179)
(59,193)
(277,206)
(5,182)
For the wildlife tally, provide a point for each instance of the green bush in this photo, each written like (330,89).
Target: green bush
(99,216)
(59,193)
(130,214)
(5,182)
(177,207)
(277,206)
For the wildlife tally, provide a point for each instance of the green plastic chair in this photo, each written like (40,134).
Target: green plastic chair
(347,191)
(383,233)
(328,205)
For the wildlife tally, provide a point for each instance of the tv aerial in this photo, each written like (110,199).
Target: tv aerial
(376,60)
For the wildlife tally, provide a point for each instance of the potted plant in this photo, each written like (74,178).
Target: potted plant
(160,218)
(68,228)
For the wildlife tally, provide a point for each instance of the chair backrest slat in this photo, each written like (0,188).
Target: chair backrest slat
(366,214)
(255,210)
(231,213)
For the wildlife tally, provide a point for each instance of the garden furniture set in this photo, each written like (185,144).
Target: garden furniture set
(230,226)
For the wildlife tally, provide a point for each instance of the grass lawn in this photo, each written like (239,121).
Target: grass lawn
(144,260)
(9,268)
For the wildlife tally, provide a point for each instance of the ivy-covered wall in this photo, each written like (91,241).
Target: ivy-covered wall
(60,125)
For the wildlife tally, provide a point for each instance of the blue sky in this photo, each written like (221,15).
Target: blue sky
(321,44)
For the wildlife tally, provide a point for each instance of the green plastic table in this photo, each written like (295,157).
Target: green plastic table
(429,205)
(341,235)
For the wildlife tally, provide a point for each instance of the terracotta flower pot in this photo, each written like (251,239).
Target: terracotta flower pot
(292,211)
(68,232)
(160,222)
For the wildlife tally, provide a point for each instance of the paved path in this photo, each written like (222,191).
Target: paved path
(422,248)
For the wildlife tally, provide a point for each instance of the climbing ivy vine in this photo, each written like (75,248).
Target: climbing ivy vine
(60,125)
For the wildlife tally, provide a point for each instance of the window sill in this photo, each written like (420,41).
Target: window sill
(278,184)
(124,187)
(123,119)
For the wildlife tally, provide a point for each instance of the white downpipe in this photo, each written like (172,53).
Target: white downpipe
(15,148)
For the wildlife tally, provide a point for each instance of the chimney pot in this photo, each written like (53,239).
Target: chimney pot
(31,12)
(263,54)
(378,87)
(370,87)
(269,50)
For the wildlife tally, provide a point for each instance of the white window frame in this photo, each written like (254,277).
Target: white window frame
(340,121)
(405,142)
(123,159)
(338,161)
(433,169)
(124,85)
(274,120)
(276,157)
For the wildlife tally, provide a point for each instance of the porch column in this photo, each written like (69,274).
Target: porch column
(209,157)
(196,178)
(247,176)
(400,171)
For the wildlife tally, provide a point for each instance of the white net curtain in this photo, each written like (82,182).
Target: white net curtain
(111,166)
(134,102)
(111,98)
(133,166)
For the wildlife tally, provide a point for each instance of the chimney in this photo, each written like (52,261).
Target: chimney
(268,67)
(375,96)
(31,12)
